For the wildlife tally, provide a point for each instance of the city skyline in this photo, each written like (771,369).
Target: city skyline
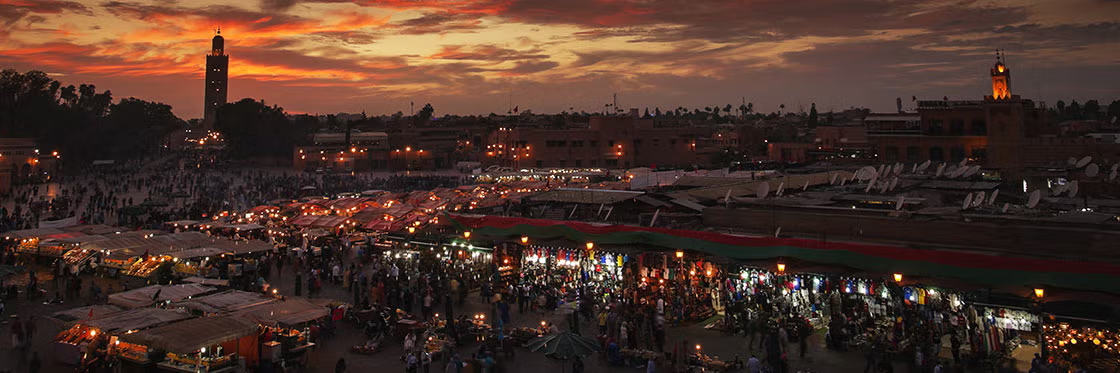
(325,56)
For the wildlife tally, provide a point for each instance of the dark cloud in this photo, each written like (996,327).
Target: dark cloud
(441,22)
(277,5)
(10,13)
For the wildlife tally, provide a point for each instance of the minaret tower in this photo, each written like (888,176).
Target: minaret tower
(217,79)
(1001,79)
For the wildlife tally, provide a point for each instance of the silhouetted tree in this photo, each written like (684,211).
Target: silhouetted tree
(253,129)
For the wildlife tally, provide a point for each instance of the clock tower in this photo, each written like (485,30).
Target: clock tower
(217,79)
(1001,79)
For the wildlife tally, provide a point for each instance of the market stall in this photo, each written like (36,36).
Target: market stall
(288,323)
(209,344)
(82,337)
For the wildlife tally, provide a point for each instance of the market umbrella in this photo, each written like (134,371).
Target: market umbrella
(309,187)
(564,346)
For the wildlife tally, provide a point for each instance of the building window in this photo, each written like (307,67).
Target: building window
(592,143)
(935,128)
(672,141)
(577,144)
(956,127)
(610,143)
(936,154)
(979,153)
(957,153)
(579,163)
(890,153)
(912,153)
(979,127)
(612,162)
(540,164)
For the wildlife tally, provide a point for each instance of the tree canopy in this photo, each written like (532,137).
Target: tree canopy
(80,122)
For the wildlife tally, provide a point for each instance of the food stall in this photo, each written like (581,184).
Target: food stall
(208,344)
(193,262)
(72,343)
(288,322)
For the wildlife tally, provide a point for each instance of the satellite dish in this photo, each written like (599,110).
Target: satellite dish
(1083,162)
(971,171)
(951,171)
(963,162)
(897,168)
(898,205)
(832,180)
(882,169)
(1005,207)
(1072,161)
(914,169)
(1112,175)
(867,172)
(940,170)
(806,187)
(778,232)
(883,187)
(871,184)
(1115,166)
(978,199)
(967,202)
(1032,201)
(1073,189)
(923,166)
(992,199)
(781,188)
(1058,189)
(1092,170)
(763,189)
(894,183)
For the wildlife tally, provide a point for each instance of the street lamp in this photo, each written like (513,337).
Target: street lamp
(781,268)
(524,240)
(897,277)
(590,245)
(680,254)
(467,234)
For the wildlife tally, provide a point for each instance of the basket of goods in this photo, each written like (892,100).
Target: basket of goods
(522,335)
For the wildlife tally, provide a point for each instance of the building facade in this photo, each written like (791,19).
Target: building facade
(605,142)
(217,80)
(22,162)
(338,152)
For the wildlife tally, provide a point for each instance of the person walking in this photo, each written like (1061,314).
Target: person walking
(340,366)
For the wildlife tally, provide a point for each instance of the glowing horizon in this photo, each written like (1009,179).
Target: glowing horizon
(477,57)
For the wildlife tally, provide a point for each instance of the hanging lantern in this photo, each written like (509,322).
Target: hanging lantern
(781,267)
(524,240)
(590,245)
(897,277)
(1039,292)
(680,254)
(467,234)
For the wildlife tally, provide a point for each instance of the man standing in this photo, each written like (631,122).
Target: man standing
(754,365)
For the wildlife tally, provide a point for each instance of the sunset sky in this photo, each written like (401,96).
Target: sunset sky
(476,57)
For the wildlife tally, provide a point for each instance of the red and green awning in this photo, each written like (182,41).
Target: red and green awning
(977,268)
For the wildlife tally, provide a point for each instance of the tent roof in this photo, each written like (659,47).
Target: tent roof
(226,301)
(80,313)
(587,196)
(136,319)
(143,296)
(192,335)
(290,312)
